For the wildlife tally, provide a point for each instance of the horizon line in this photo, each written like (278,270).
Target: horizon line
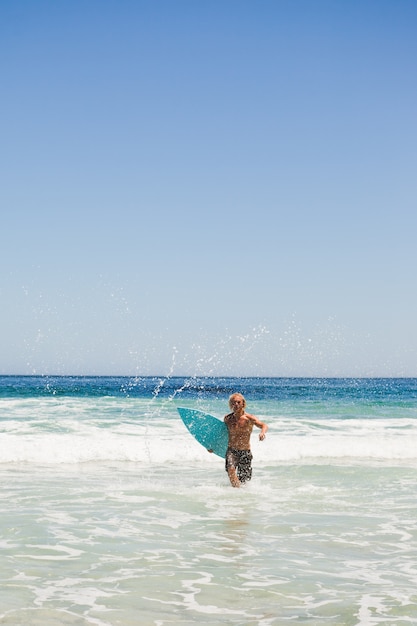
(205,376)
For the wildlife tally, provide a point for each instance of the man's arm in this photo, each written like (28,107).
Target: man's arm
(257,422)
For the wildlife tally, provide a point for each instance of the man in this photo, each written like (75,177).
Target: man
(240,425)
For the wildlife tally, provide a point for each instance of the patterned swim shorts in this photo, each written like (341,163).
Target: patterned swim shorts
(241,460)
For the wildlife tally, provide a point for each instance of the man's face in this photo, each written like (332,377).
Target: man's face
(237,403)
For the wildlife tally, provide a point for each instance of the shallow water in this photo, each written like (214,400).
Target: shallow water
(113,515)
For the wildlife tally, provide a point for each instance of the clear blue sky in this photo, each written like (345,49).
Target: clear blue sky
(208,187)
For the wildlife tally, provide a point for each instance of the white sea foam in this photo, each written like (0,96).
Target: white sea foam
(85,430)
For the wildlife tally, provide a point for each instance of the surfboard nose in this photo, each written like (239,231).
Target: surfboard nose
(208,430)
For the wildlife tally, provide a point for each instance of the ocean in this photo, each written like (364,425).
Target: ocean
(113,515)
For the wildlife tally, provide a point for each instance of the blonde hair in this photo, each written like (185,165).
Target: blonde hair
(236,395)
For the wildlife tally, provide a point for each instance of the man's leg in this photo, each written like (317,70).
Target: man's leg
(234,480)
(231,469)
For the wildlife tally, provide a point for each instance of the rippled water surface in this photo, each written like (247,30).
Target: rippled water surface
(113,515)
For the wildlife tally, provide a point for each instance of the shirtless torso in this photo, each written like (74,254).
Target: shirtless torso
(240,429)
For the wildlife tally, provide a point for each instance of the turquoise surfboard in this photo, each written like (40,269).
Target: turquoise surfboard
(207,429)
